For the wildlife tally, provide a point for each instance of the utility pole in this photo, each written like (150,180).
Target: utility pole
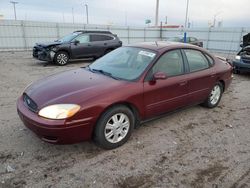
(185,33)
(156,13)
(186,14)
(87,12)
(214,21)
(63,18)
(73,17)
(14,6)
(126,18)
(166,20)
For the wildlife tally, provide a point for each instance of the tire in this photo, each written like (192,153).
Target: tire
(61,58)
(114,127)
(214,96)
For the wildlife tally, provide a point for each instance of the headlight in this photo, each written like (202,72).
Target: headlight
(237,57)
(59,111)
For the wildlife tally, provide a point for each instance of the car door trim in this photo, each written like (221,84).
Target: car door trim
(156,104)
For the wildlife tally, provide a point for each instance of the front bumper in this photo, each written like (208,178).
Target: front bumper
(43,54)
(55,131)
(241,66)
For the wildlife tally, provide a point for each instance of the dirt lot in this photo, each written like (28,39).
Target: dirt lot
(196,147)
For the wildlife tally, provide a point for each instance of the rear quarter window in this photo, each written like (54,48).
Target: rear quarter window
(106,37)
(96,37)
(210,59)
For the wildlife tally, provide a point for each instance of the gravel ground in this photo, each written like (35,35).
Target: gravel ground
(195,147)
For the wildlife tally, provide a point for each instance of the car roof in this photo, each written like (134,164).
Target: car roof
(92,31)
(180,36)
(163,45)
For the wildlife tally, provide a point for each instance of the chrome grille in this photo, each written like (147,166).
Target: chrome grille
(245,60)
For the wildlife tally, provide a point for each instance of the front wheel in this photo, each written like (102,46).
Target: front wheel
(61,58)
(214,96)
(114,127)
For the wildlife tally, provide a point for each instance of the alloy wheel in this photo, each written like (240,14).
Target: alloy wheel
(215,95)
(117,127)
(62,59)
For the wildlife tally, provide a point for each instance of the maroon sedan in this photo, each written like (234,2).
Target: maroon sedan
(109,98)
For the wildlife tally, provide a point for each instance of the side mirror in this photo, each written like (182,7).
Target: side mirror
(160,76)
(76,42)
(241,45)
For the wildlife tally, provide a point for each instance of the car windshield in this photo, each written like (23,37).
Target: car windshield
(126,63)
(69,37)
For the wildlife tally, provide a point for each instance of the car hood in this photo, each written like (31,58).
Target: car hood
(48,44)
(246,40)
(75,86)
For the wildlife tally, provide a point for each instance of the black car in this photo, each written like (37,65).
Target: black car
(79,44)
(190,40)
(241,63)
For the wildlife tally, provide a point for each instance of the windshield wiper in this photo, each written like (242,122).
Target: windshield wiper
(103,72)
(88,67)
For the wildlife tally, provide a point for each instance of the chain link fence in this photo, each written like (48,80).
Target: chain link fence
(22,35)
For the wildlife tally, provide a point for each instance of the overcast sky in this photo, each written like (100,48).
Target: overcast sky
(233,13)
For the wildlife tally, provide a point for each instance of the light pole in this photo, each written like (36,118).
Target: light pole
(126,18)
(214,22)
(63,17)
(156,13)
(185,33)
(14,6)
(73,17)
(87,12)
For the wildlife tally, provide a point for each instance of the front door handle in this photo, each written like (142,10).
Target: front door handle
(105,43)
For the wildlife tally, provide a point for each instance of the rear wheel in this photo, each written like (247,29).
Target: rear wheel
(214,96)
(114,127)
(61,58)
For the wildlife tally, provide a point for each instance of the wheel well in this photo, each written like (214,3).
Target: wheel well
(64,51)
(133,109)
(223,84)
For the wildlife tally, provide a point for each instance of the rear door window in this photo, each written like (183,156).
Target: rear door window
(196,60)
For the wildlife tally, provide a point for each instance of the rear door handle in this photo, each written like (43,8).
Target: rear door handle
(105,43)
(182,83)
